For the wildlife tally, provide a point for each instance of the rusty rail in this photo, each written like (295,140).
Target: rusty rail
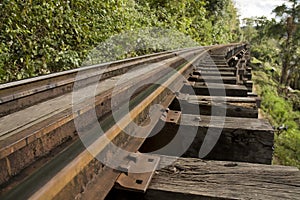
(60,183)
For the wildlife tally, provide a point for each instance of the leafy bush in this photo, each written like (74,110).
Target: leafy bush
(44,36)
(281,114)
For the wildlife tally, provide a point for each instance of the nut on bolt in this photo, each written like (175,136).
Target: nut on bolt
(198,119)
(133,157)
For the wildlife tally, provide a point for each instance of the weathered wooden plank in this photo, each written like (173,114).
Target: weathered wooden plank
(241,139)
(189,178)
(219,56)
(249,69)
(252,94)
(213,65)
(221,69)
(213,73)
(213,79)
(210,179)
(249,85)
(196,98)
(248,76)
(233,109)
(215,89)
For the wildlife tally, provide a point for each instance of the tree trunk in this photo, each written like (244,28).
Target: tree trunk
(287,52)
(284,72)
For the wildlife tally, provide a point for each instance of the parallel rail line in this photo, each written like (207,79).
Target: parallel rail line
(27,136)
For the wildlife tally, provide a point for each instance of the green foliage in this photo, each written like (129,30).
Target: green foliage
(290,30)
(269,44)
(280,112)
(40,37)
(278,43)
(287,148)
(138,42)
(267,51)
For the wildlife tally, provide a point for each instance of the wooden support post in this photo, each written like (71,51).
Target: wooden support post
(240,76)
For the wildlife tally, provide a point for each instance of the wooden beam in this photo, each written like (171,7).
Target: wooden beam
(189,178)
(215,89)
(233,109)
(213,73)
(241,139)
(216,98)
(248,76)
(213,79)
(213,65)
(249,85)
(221,69)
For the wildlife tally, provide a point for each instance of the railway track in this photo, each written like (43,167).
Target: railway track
(78,134)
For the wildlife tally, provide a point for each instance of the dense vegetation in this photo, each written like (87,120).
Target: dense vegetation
(44,36)
(283,116)
(276,52)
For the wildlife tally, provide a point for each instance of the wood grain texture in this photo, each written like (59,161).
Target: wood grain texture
(195,179)
(207,72)
(220,69)
(207,107)
(213,79)
(228,180)
(241,139)
(216,99)
(215,89)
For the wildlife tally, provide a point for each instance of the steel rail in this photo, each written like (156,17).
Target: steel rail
(64,176)
(71,116)
(24,93)
(56,127)
(55,185)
